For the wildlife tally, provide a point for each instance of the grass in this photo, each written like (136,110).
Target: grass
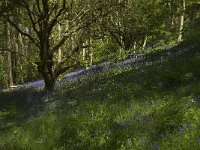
(147,107)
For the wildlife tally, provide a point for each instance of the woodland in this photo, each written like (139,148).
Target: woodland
(100,74)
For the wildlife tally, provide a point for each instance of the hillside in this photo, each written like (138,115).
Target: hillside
(149,103)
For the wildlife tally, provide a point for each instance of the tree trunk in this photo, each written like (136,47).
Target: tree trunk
(90,53)
(135,45)
(181,23)
(49,82)
(59,50)
(30,70)
(9,59)
(16,72)
(83,54)
(9,69)
(46,64)
(46,69)
(144,43)
(84,57)
(21,59)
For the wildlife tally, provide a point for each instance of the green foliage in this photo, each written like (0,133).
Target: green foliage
(168,118)
(181,72)
(173,74)
(194,66)
(115,29)
(105,51)
(193,33)
(153,105)
(192,28)
(127,109)
(3,77)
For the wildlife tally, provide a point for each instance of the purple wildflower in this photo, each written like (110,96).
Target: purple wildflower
(156,146)
(180,131)
(147,117)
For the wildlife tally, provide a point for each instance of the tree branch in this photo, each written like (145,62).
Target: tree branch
(31,17)
(63,69)
(34,40)
(55,19)
(62,41)
(38,6)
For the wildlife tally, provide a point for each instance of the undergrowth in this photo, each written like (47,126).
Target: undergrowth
(151,107)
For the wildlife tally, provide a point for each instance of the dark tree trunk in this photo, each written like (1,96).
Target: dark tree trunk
(49,82)
(46,66)
(10,71)
(46,69)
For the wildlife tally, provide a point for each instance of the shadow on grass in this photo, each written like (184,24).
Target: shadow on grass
(19,105)
(141,108)
(161,77)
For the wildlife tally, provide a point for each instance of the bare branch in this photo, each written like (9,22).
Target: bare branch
(38,6)
(55,19)
(31,17)
(53,9)
(77,27)
(61,70)
(79,17)
(34,40)
(62,41)
(78,45)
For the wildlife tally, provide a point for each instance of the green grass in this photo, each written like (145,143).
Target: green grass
(150,107)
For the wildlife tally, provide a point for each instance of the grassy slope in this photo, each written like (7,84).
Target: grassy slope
(150,107)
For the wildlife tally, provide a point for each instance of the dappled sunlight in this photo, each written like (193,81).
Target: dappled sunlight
(131,108)
(99,75)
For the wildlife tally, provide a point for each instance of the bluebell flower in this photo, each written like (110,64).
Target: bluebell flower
(180,131)
(156,146)
(147,117)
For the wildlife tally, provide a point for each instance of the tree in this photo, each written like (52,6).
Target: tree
(45,16)
(9,58)
(181,21)
(132,21)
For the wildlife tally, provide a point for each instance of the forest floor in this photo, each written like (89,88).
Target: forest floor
(148,102)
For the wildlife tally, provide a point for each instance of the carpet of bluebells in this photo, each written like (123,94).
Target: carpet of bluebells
(148,101)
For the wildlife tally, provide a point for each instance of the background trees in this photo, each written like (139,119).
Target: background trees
(44,17)
(133,21)
(45,38)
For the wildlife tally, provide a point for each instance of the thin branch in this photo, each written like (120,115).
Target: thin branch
(53,9)
(77,47)
(34,40)
(78,26)
(55,19)
(38,7)
(61,70)
(62,41)
(31,17)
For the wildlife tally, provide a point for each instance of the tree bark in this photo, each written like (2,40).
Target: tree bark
(83,54)
(135,45)
(59,50)
(9,59)
(46,66)
(144,43)
(46,69)
(181,23)
(21,59)
(9,69)
(90,53)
